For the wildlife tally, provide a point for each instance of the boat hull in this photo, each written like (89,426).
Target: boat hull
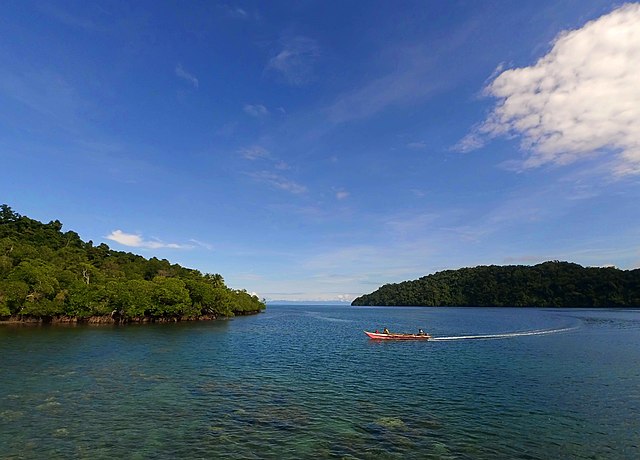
(382,336)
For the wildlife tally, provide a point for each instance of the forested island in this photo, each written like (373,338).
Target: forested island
(50,276)
(549,284)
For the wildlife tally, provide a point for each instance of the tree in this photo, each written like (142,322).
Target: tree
(170,297)
(39,277)
(44,272)
(550,284)
(13,295)
(7,214)
(215,279)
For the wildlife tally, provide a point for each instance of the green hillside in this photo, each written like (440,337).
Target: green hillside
(46,273)
(549,284)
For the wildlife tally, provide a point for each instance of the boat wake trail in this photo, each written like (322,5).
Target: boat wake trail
(329,318)
(503,336)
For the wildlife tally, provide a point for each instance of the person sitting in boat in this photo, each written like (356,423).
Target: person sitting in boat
(386,331)
(421,332)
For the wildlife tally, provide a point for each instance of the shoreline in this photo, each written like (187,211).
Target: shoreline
(28,320)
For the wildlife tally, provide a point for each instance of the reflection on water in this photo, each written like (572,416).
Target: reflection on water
(299,382)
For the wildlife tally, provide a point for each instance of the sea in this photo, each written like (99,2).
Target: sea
(304,381)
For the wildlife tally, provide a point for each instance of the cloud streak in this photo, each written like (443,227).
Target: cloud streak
(137,241)
(273,178)
(414,74)
(582,99)
(279,182)
(68,19)
(256,110)
(419,145)
(180,72)
(254,152)
(295,60)
(234,11)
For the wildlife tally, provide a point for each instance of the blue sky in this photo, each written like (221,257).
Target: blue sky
(316,150)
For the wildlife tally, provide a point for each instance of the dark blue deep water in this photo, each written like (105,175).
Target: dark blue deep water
(305,382)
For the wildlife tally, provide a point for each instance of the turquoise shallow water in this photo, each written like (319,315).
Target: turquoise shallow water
(304,381)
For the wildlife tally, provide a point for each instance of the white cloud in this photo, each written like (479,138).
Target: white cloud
(411,80)
(274,179)
(342,267)
(234,11)
(180,72)
(295,60)
(136,241)
(254,152)
(279,182)
(256,110)
(341,194)
(470,142)
(238,13)
(64,17)
(257,152)
(202,244)
(581,99)
(417,145)
(314,297)
(46,94)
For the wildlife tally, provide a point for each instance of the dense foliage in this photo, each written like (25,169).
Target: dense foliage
(550,284)
(45,273)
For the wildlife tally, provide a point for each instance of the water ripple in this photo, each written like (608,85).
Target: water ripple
(307,383)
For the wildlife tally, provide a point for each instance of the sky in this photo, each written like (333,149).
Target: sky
(316,150)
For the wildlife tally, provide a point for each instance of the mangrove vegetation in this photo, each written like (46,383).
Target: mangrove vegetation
(47,274)
(549,284)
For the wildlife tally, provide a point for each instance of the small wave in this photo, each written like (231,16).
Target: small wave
(329,318)
(505,335)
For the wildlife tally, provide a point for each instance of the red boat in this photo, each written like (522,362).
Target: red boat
(396,336)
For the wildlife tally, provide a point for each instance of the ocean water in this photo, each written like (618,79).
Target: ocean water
(305,382)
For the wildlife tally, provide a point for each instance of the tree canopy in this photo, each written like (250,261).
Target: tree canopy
(45,272)
(549,284)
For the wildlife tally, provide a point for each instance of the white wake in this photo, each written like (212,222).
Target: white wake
(503,336)
(329,318)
